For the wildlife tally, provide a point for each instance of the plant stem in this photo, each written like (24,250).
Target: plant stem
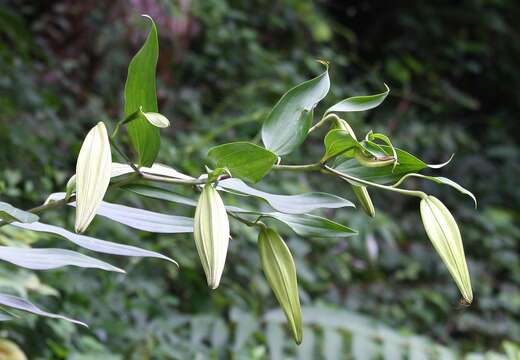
(418,194)
(127,160)
(325,119)
(298,168)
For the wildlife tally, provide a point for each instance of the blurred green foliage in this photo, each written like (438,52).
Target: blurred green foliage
(453,71)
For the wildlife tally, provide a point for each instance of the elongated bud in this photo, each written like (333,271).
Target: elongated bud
(92,175)
(364,199)
(211,232)
(445,237)
(280,271)
(369,161)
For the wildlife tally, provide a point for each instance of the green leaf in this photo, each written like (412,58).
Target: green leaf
(10,213)
(359,103)
(289,204)
(444,234)
(407,163)
(288,123)
(159,193)
(140,92)
(91,243)
(44,259)
(244,160)
(337,142)
(308,225)
(280,271)
(440,180)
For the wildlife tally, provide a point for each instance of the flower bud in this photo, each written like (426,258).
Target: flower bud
(280,271)
(93,170)
(445,237)
(211,232)
(364,199)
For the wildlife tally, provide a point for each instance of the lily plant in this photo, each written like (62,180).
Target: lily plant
(366,164)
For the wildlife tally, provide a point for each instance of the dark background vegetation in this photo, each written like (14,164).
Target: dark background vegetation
(453,67)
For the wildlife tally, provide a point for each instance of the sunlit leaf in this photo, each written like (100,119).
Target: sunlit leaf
(280,271)
(445,237)
(289,204)
(306,225)
(244,160)
(10,213)
(160,194)
(140,93)
(93,170)
(360,103)
(288,123)
(91,243)
(19,303)
(43,259)
(144,219)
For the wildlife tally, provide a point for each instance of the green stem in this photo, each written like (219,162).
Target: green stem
(298,168)
(418,194)
(324,120)
(242,220)
(127,160)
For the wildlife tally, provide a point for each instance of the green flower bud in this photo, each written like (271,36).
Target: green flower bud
(211,232)
(364,199)
(280,271)
(445,237)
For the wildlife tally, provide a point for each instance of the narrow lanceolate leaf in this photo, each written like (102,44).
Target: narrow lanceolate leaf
(140,93)
(119,169)
(160,194)
(308,225)
(144,219)
(280,271)
(440,180)
(19,303)
(44,259)
(244,160)
(211,233)
(359,103)
(289,204)
(288,123)
(445,237)
(10,213)
(91,243)
(93,171)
